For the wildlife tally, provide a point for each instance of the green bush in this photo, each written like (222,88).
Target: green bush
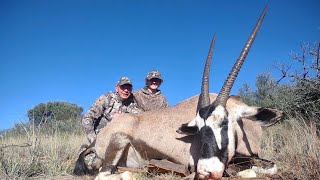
(54,111)
(298,98)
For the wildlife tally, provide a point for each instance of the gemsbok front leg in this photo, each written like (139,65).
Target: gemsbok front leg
(115,150)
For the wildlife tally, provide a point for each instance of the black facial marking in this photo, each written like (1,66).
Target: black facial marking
(206,111)
(223,155)
(185,129)
(209,147)
(208,143)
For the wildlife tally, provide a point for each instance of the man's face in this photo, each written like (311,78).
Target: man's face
(154,83)
(124,91)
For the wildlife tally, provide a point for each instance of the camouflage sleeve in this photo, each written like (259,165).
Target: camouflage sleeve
(108,106)
(134,108)
(165,102)
(94,112)
(138,99)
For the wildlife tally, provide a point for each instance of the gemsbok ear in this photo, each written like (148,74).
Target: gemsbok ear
(187,130)
(263,116)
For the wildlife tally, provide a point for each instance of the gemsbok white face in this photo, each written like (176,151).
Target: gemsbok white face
(214,123)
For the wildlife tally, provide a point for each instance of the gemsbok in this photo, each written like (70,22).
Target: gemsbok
(195,133)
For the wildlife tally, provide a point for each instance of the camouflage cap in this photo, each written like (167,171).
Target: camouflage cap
(154,74)
(124,80)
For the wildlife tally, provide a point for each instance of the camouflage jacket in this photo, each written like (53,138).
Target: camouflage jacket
(148,101)
(101,112)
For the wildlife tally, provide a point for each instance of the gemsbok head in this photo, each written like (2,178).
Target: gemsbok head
(214,123)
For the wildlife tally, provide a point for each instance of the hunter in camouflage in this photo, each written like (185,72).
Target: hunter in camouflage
(150,97)
(108,106)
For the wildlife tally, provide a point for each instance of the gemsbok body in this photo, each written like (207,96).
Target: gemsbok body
(201,135)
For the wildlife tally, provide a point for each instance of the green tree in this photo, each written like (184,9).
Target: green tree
(305,78)
(299,97)
(265,93)
(54,111)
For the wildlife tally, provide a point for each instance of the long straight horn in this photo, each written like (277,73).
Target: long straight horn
(225,90)
(204,99)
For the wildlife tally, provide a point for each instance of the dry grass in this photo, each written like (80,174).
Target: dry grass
(295,148)
(37,155)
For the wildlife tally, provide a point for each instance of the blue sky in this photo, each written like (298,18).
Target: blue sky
(76,50)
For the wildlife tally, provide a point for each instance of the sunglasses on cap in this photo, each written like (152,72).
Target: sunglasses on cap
(155,80)
(126,86)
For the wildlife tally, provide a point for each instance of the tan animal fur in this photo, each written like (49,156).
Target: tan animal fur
(157,129)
